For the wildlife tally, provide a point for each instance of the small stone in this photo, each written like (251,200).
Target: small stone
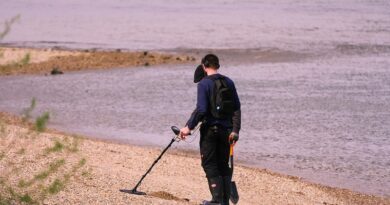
(56,71)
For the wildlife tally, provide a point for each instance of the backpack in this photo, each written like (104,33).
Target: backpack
(221,100)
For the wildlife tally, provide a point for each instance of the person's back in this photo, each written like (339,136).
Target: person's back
(216,130)
(205,90)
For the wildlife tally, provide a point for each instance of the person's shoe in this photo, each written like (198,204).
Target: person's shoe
(216,190)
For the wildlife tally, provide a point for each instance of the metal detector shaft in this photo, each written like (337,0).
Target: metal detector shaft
(154,163)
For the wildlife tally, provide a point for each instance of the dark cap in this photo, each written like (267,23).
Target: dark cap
(199,73)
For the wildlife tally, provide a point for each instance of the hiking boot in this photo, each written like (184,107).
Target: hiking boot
(216,190)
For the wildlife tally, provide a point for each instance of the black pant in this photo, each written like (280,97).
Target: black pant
(214,150)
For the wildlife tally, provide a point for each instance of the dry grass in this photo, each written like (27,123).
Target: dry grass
(35,166)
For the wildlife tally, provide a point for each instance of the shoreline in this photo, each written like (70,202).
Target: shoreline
(121,165)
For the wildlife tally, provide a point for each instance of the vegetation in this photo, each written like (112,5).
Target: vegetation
(56,186)
(58,147)
(8,25)
(53,167)
(25,60)
(27,111)
(26,198)
(41,122)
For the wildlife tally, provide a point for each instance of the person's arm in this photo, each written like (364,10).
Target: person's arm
(236,118)
(201,107)
(200,111)
(236,121)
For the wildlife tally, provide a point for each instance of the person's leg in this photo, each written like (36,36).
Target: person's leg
(223,151)
(208,151)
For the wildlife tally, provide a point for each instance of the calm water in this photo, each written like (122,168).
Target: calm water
(319,108)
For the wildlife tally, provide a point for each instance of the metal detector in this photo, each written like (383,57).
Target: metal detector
(175,130)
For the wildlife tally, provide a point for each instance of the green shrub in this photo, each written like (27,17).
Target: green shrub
(41,122)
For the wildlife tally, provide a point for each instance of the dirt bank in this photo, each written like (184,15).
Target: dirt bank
(16,61)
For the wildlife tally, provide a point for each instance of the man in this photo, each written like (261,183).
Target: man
(216,129)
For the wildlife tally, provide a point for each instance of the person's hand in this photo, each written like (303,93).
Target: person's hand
(233,138)
(184,132)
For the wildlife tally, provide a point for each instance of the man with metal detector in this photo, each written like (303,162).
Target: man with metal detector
(218,108)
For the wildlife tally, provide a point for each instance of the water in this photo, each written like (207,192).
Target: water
(313,78)
(162,24)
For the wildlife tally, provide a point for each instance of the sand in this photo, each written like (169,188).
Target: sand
(16,61)
(58,168)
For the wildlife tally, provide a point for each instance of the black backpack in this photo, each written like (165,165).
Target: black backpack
(221,99)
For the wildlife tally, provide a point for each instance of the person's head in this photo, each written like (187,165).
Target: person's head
(208,66)
(210,61)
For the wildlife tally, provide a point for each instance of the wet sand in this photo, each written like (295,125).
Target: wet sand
(16,61)
(58,168)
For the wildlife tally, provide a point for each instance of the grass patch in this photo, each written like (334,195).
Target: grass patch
(22,183)
(14,197)
(26,199)
(82,162)
(19,63)
(41,176)
(85,174)
(58,147)
(41,122)
(25,60)
(53,167)
(56,186)
(66,144)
